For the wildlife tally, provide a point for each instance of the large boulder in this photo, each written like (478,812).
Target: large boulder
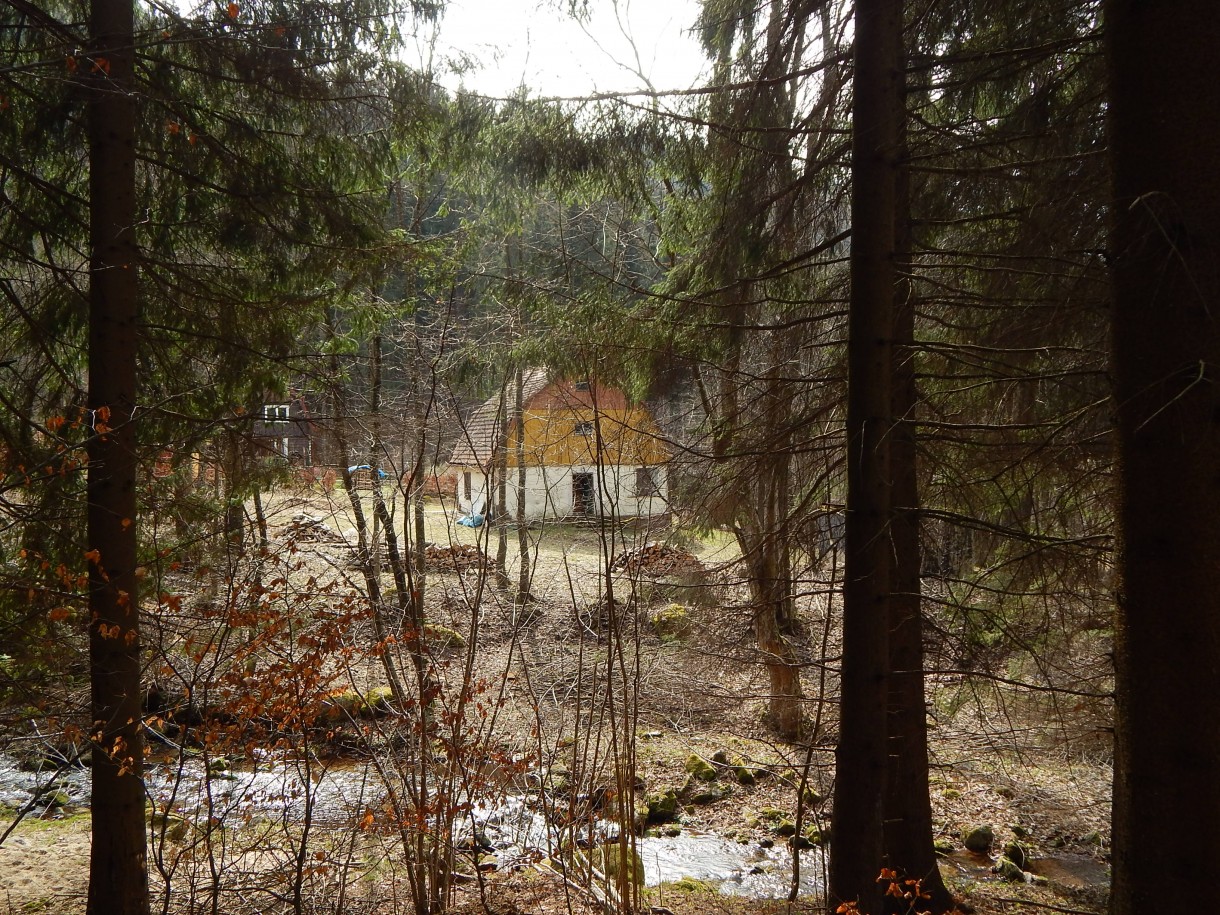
(1008,870)
(671,622)
(1018,854)
(609,859)
(700,768)
(978,838)
(708,793)
(662,806)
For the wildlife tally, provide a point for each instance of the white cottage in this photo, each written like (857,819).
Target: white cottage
(585,449)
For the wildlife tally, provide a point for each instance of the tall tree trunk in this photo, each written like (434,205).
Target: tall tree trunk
(1165,143)
(260,519)
(118,870)
(857,850)
(770,591)
(500,512)
(376,448)
(769,559)
(413,619)
(908,807)
(416,541)
(523,539)
(783,668)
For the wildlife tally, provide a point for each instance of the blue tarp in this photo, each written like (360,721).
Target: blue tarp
(470,520)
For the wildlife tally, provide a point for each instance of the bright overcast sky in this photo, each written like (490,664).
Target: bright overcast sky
(532,42)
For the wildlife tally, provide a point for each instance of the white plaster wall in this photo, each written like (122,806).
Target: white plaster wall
(548,492)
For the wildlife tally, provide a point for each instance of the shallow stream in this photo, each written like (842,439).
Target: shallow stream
(512,829)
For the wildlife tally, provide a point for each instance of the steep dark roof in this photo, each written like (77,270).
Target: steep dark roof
(479,435)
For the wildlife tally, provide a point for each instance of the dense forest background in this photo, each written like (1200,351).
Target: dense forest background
(920,293)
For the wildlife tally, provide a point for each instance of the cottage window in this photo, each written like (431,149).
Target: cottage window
(276,414)
(646,483)
(582,385)
(583,428)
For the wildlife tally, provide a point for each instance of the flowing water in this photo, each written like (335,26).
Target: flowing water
(512,829)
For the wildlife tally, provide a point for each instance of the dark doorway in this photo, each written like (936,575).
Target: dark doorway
(582,494)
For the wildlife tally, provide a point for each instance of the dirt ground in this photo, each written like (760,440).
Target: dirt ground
(672,662)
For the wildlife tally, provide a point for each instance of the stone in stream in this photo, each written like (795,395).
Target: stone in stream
(662,806)
(978,838)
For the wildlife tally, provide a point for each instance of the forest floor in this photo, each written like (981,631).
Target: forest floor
(675,652)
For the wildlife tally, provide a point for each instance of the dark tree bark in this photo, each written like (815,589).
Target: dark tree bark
(908,808)
(118,872)
(1165,144)
(765,548)
(857,850)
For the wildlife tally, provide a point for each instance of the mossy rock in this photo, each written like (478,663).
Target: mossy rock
(219,764)
(811,797)
(444,637)
(951,794)
(700,768)
(342,706)
(808,794)
(1008,870)
(1018,854)
(56,798)
(978,838)
(671,623)
(378,701)
(662,806)
(721,757)
(710,793)
(802,842)
(558,779)
(943,846)
(784,828)
(691,885)
(609,860)
(175,827)
(772,814)
(744,774)
(639,816)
